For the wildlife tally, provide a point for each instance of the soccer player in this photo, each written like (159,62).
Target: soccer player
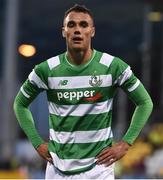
(81,84)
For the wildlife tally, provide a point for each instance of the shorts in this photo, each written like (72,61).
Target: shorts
(97,172)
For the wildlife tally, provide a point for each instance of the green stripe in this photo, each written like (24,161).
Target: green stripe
(105,92)
(117,67)
(68,70)
(78,150)
(84,123)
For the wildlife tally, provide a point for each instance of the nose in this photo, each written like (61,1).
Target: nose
(76,32)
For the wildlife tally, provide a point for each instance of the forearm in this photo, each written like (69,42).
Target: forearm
(25,120)
(139,119)
(141,114)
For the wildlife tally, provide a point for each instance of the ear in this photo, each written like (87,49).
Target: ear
(93,31)
(63,32)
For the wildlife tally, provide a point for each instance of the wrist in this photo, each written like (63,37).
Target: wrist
(125,144)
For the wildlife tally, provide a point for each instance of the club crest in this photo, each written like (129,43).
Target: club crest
(95,81)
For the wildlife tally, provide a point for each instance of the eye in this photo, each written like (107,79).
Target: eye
(84,24)
(71,24)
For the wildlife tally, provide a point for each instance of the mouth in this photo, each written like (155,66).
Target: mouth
(77,40)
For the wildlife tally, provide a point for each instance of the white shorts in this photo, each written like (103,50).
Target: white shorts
(97,172)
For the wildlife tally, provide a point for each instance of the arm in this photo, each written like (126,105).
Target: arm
(125,79)
(143,109)
(23,114)
(30,89)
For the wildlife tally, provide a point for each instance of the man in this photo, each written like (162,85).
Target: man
(81,84)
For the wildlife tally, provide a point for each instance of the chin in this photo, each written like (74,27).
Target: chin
(77,48)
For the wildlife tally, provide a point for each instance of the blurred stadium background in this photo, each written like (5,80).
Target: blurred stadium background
(130,29)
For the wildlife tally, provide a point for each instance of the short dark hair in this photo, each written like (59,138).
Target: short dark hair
(79,8)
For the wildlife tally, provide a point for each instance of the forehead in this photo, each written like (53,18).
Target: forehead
(78,17)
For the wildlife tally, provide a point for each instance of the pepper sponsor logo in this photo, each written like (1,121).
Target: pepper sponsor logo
(75,95)
(85,95)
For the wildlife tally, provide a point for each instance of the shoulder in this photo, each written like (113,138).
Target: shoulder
(110,60)
(53,62)
(49,64)
(118,63)
(43,70)
(106,59)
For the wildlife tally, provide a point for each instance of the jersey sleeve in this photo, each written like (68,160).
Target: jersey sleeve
(144,106)
(35,84)
(125,79)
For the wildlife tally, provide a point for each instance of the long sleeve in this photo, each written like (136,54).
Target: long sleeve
(143,109)
(24,97)
(36,83)
(125,79)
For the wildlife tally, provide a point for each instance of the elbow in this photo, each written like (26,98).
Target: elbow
(18,104)
(146,104)
(149,104)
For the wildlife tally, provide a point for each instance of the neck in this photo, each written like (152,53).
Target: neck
(79,57)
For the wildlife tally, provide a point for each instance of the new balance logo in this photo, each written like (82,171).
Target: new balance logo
(62,82)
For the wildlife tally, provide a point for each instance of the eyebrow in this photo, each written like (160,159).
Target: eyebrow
(80,22)
(83,21)
(71,21)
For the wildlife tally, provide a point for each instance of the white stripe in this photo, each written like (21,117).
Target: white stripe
(71,164)
(53,62)
(77,81)
(132,88)
(80,109)
(35,79)
(24,93)
(106,59)
(124,76)
(81,136)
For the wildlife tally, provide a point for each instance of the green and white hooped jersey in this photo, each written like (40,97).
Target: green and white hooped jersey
(80,102)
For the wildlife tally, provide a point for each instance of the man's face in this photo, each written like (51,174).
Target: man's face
(78,30)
